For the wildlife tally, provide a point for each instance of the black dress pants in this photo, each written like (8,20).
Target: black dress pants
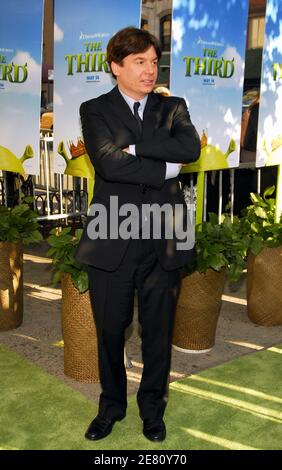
(112,298)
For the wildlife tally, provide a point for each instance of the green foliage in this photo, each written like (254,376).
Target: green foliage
(19,224)
(62,251)
(258,222)
(221,245)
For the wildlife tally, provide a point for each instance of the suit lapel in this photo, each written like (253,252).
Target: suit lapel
(151,116)
(121,109)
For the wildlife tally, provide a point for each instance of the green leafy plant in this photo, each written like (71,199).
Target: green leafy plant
(19,224)
(221,245)
(62,250)
(258,223)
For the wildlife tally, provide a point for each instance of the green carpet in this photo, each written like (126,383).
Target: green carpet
(237,405)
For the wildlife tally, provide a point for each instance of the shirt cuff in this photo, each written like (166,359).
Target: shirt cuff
(132,149)
(172,170)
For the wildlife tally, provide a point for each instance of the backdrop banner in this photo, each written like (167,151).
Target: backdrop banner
(20,85)
(207,69)
(81,72)
(269,142)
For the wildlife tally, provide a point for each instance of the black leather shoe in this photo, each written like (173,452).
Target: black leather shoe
(155,432)
(101,427)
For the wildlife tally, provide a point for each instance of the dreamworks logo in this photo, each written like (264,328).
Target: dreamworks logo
(145,221)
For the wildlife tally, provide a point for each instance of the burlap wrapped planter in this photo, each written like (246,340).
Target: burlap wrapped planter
(79,333)
(11,285)
(264,287)
(198,311)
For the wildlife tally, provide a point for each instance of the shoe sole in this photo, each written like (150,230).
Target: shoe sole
(152,439)
(94,438)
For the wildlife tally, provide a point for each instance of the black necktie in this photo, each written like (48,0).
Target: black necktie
(137,117)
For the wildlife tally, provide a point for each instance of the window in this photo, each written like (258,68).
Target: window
(256,32)
(144,24)
(165,27)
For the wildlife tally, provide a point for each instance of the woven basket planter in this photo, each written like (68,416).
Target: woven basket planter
(79,333)
(264,292)
(11,285)
(198,311)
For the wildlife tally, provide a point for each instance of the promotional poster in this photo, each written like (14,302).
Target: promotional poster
(207,70)
(269,142)
(82,32)
(20,85)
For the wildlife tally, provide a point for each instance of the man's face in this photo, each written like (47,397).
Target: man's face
(137,74)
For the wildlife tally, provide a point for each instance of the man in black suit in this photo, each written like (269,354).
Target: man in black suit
(137,141)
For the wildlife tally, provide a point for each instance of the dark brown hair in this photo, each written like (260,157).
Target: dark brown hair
(128,41)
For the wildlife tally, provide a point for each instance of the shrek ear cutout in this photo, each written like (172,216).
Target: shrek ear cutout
(62,151)
(9,161)
(28,153)
(231,148)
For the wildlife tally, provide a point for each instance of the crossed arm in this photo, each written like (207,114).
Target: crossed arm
(110,161)
(146,167)
(180,145)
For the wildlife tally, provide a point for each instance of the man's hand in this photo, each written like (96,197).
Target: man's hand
(126,150)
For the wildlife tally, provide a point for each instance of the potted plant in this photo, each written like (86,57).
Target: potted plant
(79,331)
(220,250)
(264,294)
(18,226)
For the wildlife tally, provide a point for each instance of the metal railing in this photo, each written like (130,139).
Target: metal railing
(56,196)
(231,193)
(62,197)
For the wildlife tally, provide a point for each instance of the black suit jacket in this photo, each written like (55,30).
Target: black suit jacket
(109,126)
